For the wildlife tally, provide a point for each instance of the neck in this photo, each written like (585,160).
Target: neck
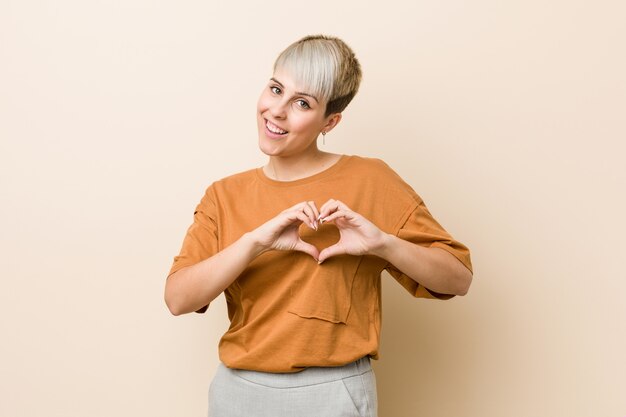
(291,168)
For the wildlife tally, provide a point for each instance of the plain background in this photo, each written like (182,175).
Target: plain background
(507,117)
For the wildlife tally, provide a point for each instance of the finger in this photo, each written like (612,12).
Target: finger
(338,214)
(301,215)
(304,208)
(310,213)
(330,251)
(328,207)
(332,206)
(295,215)
(313,206)
(307,248)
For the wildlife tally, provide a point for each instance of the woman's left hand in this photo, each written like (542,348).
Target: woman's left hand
(358,236)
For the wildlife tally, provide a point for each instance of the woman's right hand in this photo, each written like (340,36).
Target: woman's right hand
(281,232)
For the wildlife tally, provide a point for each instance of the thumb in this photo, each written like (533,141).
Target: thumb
(330,251)
(307,248)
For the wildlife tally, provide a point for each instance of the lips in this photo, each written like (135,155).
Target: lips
(274,129)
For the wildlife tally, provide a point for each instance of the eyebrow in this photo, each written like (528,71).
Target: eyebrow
(300,93)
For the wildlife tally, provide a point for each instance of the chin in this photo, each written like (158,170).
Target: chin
(266,147)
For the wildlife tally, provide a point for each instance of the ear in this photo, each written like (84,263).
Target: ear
(331,122)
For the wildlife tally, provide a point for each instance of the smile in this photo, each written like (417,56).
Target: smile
(274,129)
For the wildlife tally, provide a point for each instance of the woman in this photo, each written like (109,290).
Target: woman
(298,247)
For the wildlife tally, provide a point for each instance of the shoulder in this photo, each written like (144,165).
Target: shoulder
(378,171)
(376,190)
(373,167)
(369,162)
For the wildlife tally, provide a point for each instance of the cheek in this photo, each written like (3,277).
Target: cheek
(264,102)
(304,122)
(260,105)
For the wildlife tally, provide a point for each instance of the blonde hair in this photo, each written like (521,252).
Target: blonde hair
(326,67)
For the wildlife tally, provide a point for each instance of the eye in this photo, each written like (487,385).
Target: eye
(303,104)
(275,89)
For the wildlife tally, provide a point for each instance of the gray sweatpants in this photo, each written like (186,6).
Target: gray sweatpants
(345,391)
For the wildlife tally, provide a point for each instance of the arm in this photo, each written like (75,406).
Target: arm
(434,268)
(431,267)
(193,287)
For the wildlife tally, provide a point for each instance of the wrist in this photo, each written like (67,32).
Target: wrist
(253,245)
(384,246)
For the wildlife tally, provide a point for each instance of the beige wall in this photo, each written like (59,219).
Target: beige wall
(506,117)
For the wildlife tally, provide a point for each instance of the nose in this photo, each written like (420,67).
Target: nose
(278,109)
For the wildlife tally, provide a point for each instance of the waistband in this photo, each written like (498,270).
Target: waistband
(308,376)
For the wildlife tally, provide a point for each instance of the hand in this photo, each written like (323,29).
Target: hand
(281,232)
(358,236)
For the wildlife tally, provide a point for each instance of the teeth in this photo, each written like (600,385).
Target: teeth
(274,128)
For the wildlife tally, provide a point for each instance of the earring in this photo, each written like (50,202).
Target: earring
(323,137)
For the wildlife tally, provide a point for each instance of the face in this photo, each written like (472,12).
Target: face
(289,118)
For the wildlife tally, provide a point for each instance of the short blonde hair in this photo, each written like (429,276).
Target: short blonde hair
(326,67)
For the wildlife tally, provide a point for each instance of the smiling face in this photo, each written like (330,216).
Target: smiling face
(290,119)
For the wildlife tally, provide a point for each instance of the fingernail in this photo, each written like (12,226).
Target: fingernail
(321,221)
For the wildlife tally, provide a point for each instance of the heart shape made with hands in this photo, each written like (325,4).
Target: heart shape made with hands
(327,234)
